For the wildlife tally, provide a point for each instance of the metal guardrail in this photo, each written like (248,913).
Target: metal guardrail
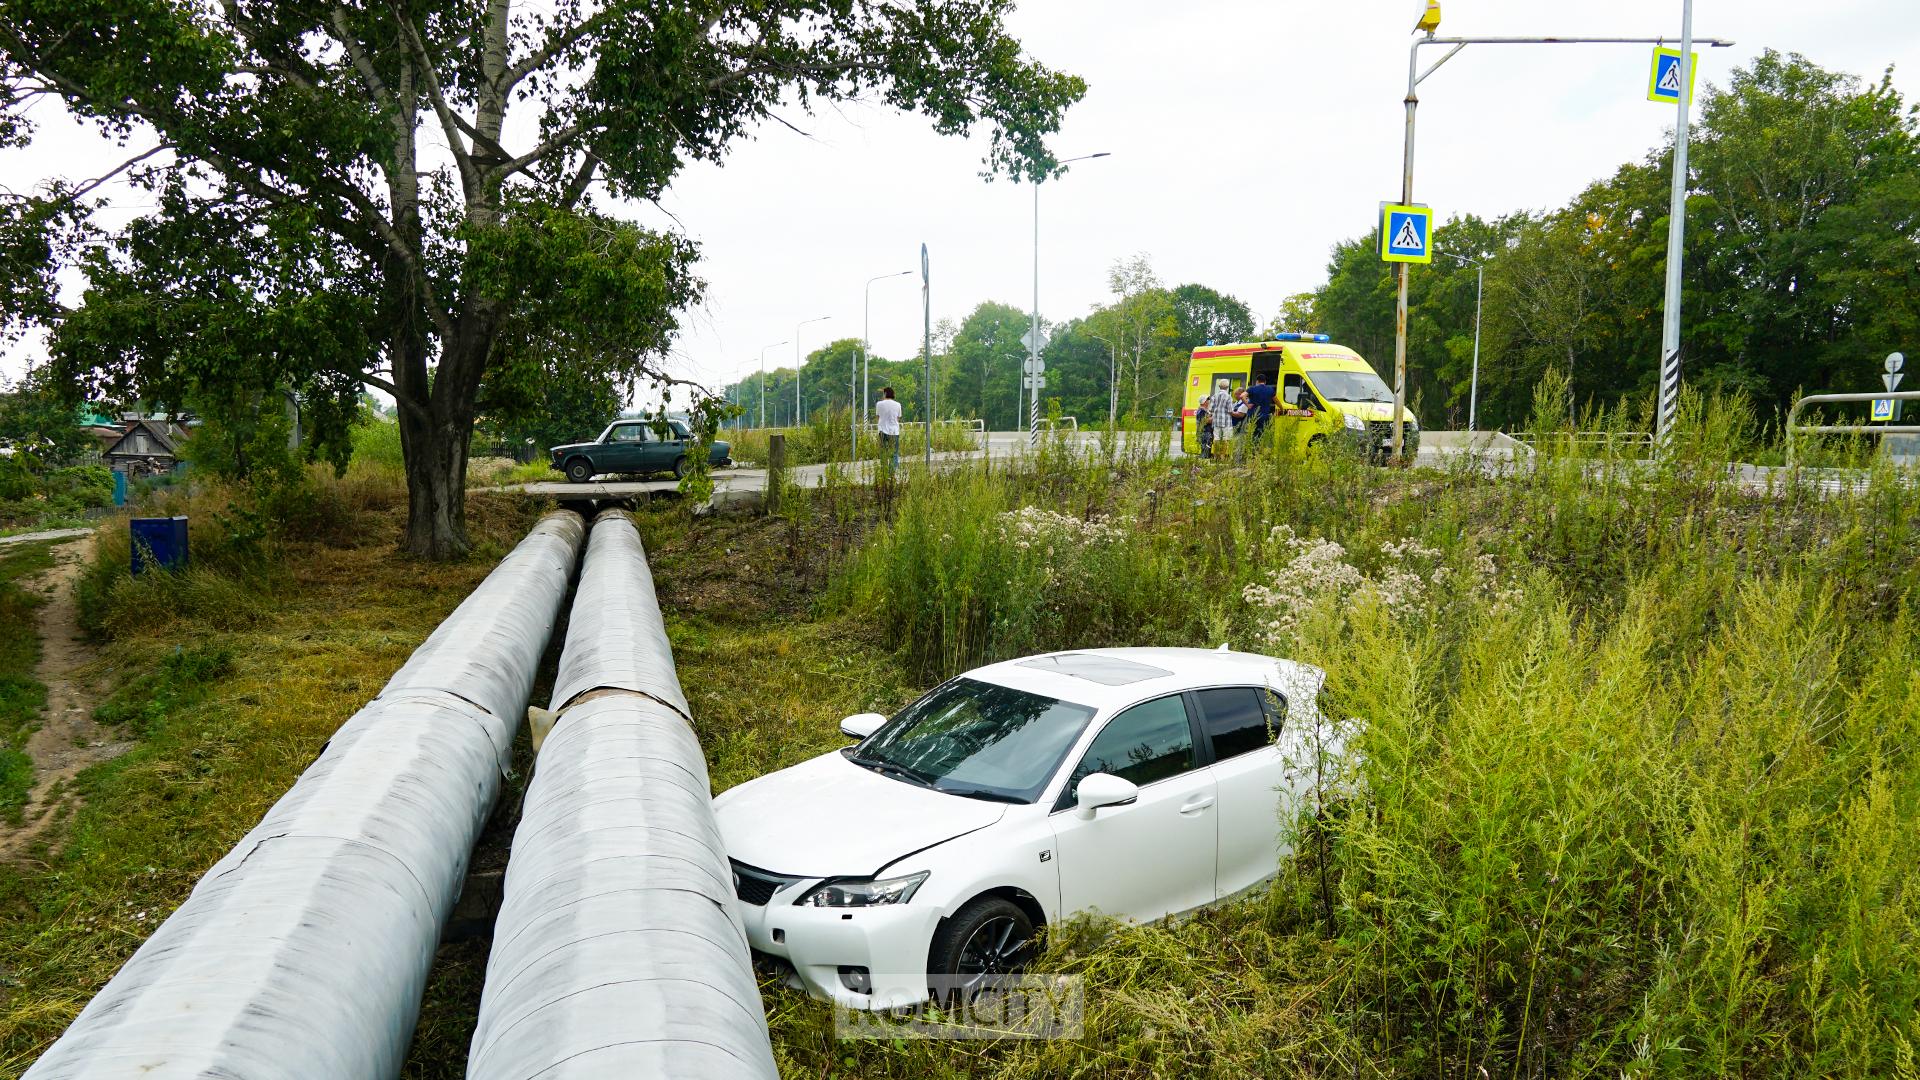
(619,950)
(1794,427)
(1607,439)
(1069,424)
(303,953)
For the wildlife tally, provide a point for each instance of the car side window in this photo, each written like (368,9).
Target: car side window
(626,433)
(1237,719)
(1148,742)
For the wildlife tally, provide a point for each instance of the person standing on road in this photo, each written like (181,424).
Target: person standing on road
(1260,403)
(886,416)
(1220,407)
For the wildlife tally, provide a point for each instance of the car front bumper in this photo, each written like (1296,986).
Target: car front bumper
(890,942)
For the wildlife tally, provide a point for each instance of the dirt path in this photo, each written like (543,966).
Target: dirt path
(68,740)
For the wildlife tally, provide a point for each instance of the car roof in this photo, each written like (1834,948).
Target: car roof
(1113,678)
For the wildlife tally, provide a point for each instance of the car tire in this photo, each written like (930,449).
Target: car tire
(990,935)
(680,467)
(579,470)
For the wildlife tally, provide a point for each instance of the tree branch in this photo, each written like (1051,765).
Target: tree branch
(556,44)
(469,174)
(369,77)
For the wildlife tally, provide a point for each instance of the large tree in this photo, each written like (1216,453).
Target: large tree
(402,194)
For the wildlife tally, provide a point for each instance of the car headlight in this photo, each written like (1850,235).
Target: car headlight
(868,893)
(1354,423)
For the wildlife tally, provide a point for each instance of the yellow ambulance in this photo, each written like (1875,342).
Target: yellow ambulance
(1325,392)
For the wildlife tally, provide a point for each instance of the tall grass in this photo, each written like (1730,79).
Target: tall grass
(1637,792)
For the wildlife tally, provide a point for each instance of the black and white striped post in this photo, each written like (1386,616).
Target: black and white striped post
(1668,407)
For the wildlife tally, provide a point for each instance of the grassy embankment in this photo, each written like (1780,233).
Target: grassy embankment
(229,677)
(1639,796)
(21,694)
(1640,793)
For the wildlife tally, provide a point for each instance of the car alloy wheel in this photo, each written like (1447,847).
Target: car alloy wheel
(990,936)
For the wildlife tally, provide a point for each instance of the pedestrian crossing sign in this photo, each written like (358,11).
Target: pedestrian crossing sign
(1882,409)
(1664,85)
(1406,233)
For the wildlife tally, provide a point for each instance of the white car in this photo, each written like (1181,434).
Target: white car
(1137,782)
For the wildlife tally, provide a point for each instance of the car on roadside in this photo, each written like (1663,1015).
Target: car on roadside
(635,446)
(1140,783)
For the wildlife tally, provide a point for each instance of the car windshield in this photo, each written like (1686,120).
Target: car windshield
(976,739)
(1350,386)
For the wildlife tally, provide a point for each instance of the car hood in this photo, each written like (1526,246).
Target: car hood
(828,817)
(570,446)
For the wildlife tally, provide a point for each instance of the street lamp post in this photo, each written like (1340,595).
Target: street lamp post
(763,381)
(1479,290)
(1031,379)
(798,417)
(859,409)
(1113,382)
(1414,78)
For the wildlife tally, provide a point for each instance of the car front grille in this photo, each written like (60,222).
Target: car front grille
(756,886)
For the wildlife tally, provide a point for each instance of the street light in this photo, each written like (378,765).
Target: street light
(763,382)
(1479,286)
(1113,382)
(1415,77)
(797,418)
(859,409)
(1032,379)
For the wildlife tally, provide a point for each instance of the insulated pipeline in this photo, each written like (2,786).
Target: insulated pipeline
(618,951)
(302,954)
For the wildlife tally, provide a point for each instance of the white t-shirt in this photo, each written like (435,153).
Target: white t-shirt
(886,413)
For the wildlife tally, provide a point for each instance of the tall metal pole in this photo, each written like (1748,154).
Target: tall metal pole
(1031,377)
(799,416)
(1669,401)
(1033,334)
(1400,305)
(926,349)
(1113,381)
(1473,393)
(866,326)
(1414,78)
(763,381)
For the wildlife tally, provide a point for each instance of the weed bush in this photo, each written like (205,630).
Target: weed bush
(1637,791)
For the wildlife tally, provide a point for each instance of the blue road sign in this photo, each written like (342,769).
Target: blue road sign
(1406,234)
(1882,409)
(1664,86)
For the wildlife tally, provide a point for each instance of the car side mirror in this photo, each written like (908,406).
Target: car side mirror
(1292,395)
(861,725)
(1104,789)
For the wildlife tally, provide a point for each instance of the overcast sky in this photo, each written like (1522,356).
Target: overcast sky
(1247,138)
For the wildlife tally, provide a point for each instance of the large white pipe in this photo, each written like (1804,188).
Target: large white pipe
(618,951)
(303,953)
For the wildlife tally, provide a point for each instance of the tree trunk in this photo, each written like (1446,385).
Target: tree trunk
(435,450)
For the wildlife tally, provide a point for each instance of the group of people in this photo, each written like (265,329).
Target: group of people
(1226,411)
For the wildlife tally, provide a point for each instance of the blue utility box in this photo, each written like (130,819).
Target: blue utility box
(159,542)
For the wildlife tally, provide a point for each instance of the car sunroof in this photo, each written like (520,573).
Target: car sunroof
(1105,670)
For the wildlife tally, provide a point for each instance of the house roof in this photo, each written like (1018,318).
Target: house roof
(163,433)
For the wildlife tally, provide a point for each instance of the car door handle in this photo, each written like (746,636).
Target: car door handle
(1196,804)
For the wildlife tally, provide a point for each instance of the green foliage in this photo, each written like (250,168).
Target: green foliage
(1637,793)
(181,679)
(21,694)
(1798,276)
(301,240)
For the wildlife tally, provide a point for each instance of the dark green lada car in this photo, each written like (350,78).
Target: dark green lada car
(634,446)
